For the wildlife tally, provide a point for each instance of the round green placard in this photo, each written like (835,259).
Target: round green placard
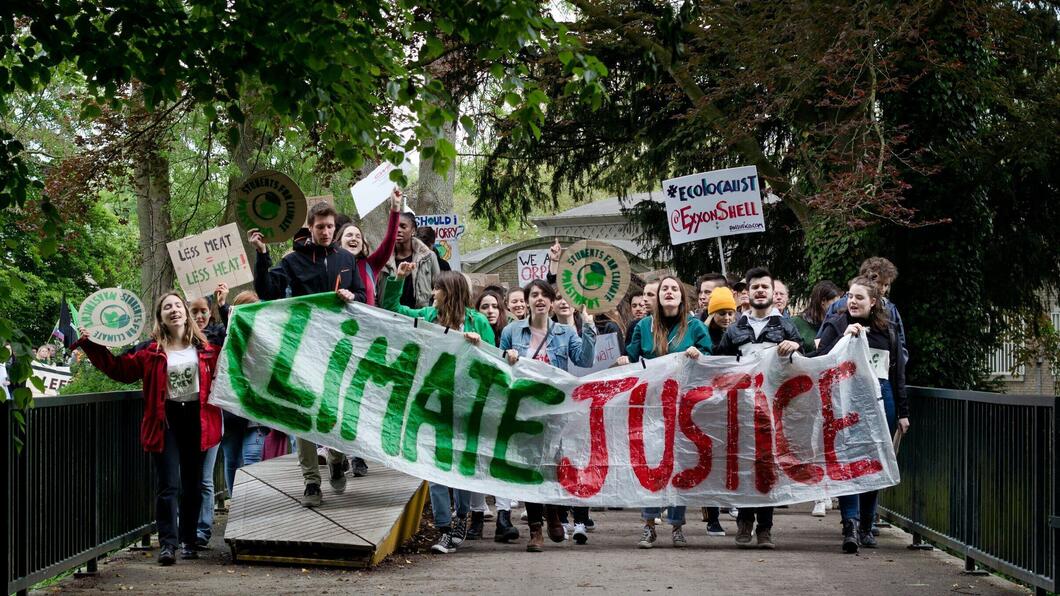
(272,203)
(593,274)
(113,317)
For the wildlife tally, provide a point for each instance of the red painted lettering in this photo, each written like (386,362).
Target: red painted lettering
(731,384)
(807,473)
(830,427)
(704,445)
(765,465)
(586,483)
(653,479)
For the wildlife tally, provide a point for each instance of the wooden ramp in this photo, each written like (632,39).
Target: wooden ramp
(267,523)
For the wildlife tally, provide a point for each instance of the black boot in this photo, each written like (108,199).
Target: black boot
(505,531)
(474,531)
(850,539)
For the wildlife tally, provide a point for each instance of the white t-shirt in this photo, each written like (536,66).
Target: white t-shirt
(183,372)
(881,362)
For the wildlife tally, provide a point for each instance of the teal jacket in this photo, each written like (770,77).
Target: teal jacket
(641,344)
(474,321)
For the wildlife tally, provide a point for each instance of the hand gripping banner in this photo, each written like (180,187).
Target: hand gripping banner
(717,431)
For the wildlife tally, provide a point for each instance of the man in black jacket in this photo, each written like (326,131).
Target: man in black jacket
(760,328)
(315,266)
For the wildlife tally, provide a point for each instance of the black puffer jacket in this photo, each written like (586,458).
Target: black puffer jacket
(310,269)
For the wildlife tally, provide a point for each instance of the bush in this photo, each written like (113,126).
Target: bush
(89,379)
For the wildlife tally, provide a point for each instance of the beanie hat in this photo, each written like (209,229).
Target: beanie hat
(721,299)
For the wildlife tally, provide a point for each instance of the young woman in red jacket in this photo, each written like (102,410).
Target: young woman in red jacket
(177,369)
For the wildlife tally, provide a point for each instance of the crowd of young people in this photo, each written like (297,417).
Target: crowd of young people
(183,432)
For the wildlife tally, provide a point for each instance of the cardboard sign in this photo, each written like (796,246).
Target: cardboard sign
(713,204)
(531,265)
(594,275)
(447,229)
(113,317)
(606,353)
(374,189)
(54,377)
(272,203)
(204,260)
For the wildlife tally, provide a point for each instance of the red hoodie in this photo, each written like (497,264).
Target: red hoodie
(149,365)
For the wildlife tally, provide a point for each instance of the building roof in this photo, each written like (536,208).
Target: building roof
(611,206)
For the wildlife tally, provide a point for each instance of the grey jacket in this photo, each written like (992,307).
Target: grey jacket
(423,278)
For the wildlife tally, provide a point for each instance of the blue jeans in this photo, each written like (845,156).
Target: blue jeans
(254,444)
(232,447)
(862,507)
(205,527)
(441,504)
(675,514)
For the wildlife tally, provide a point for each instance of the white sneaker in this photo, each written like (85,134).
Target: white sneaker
(658,521)
(819,508)
(487,514)
(833,503)
(581,535)
(734,512)
(522,515)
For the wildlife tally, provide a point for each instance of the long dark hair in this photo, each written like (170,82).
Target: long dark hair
(659,333)
(878,318)
(545,288)
(823,291)
(364,242)
(502,318)
(456,299)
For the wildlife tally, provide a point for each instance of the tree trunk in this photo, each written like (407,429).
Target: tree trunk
(151,181)
(434,191)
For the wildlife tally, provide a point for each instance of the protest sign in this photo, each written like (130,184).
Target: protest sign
(714,204)
(447,229)
(272,203)
(113,317)
(594,275)
(531,265)
(607,351)
(756,431)
(54,378)
(374,189)
(204,260)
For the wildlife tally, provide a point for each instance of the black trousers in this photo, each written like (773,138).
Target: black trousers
(764,515)
(179,470)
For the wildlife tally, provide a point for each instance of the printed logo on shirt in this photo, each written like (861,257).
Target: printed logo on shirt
(881,362)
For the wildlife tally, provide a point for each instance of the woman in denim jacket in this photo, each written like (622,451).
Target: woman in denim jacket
(540,338)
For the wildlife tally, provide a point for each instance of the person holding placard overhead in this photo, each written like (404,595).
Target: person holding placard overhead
(760,328)
(177,369)
(671,328)
(315,265)
(370,265)
(866,313)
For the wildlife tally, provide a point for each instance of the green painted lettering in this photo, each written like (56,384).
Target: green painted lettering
(401,372)
(487,376)
(439,381)
(340,359)
(510,426)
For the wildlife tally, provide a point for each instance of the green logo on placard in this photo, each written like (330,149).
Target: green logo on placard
(594,275)
(272,203)
(113,317)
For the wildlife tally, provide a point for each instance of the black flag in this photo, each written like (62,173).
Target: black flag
(65,330)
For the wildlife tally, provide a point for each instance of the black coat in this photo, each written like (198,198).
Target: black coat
(777,329)
(310,269)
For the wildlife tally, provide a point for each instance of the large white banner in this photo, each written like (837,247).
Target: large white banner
(713,204)
(761,430)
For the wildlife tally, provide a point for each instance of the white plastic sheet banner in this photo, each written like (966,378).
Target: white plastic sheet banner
(764,430)
(607,351)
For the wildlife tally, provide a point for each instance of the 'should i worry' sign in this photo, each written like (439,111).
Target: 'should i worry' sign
(761,430)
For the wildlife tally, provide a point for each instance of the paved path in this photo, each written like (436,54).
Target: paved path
(807,561)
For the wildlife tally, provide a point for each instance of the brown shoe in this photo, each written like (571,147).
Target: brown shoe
(556,533)
(706,516)
(743,533)
(537,539)
(765,540)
